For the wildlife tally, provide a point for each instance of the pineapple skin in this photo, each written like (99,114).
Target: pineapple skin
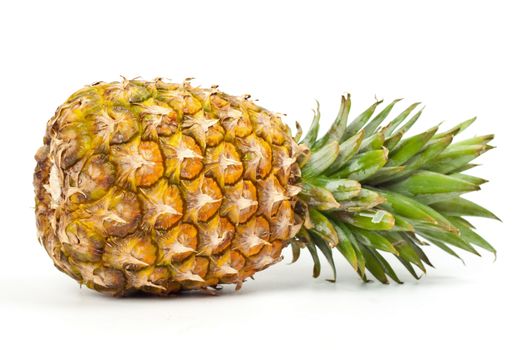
(159,187)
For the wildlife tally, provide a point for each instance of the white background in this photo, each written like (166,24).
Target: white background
(460,58)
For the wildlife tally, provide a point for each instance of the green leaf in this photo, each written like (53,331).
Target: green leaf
(405,250)
(477,140)
(393,140)
(386,267)
(398,135)
(374,265)
(412,209)
(445,248)
(469,178)
(336,131)
(470,236)
(429,187)
(437,233)
(385,174)
(315,257)
(430,152)
(456,129)
(327,252)
(318,197)
(341,189)
(465,222)
(371,127)
(412,241)
(344,246)
(465,168)
(361,262)
(462,207)
(409,267)
(360,121)
(321,160)
(370,219)
(364,165)
(402,224)
(374,239)
(346,151)
(366,199)
(323,227)
(313,251)
(408,125)
(406,206)
(296,251)
(311,135)
(392,126)
(372,142)
(410,147)
(455,157)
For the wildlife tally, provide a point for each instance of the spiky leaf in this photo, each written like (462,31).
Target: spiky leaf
(360,121)
(321,160)
(372,126)
(364,165)
(462,207)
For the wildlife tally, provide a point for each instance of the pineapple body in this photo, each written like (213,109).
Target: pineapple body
(147,186)
(160,187)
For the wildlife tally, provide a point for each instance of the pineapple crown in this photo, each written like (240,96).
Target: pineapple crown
(368,190)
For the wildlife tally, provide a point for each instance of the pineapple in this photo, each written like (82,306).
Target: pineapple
(155,187)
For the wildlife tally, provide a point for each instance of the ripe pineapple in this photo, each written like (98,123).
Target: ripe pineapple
(158,187)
